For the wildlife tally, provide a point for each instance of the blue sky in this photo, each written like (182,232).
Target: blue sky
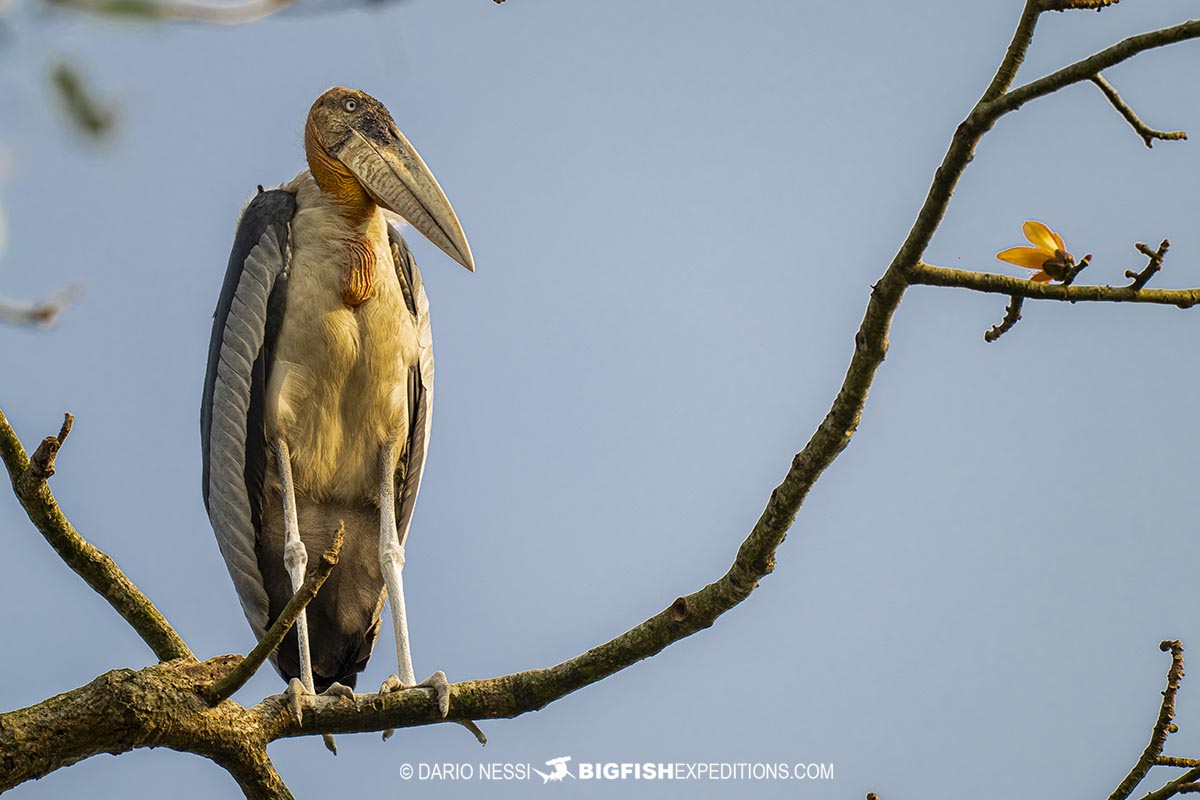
(676,210)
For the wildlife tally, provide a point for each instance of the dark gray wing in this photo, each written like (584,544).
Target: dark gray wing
(420,386)
(232,414)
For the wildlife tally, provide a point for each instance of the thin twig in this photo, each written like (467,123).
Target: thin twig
(1143,130)
(929,275)
(41,464)
(237,677)
(1012,315)
(1173,761)
(1140,279)
(479,735)
(89,562)
(1162,726)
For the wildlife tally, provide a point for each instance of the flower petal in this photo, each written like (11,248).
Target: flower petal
(1027,257)
(1041,277)
(1041,236)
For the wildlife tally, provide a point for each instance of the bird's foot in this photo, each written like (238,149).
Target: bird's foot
(437,681)
(298,697)
(339,690)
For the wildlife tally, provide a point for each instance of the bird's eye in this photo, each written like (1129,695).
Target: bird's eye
(350,105)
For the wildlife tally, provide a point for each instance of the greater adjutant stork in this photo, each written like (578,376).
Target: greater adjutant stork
(317,400)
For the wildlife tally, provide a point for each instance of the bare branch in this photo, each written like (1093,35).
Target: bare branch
(929,275)
(158,706)
(237,678)
(1015,56)
(91,564)
(1085,69)
(1143,130)
(1162,726)
(1156,257)
(1172,788)
(1012,315)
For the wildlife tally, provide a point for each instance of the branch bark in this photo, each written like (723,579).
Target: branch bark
(989,282)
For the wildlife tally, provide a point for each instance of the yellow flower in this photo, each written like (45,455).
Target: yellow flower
(1048,255)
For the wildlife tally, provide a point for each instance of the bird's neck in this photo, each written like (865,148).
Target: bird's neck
(353,203)
(337,182)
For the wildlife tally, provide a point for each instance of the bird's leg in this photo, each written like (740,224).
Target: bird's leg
(295,559)
(391,563)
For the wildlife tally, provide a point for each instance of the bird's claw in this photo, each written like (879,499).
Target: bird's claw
(437,681)
(296,696)
(441,688)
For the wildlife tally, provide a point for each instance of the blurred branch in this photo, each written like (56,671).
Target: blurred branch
(89,115)
(1147,133)
(162,11)
(44,313)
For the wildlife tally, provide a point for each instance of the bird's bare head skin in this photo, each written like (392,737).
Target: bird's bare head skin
(358,155)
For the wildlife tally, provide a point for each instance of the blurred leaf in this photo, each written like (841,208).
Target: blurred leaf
(91,117)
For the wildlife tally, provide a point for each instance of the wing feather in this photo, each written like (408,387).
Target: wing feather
(420,386)
(232,427)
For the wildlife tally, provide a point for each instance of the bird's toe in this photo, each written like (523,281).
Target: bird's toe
(297,696)
(339,690)
(441,688)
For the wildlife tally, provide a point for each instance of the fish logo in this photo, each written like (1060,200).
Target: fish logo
(558,772)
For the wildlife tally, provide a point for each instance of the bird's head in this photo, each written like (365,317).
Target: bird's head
(356,152)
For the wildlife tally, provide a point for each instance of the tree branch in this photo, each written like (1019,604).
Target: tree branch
(1086,68)
(1154,264)
(1012,315)
(1143,130)
(1163,726)
(929,275)
(158,706)
(90,563)
(237,678)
